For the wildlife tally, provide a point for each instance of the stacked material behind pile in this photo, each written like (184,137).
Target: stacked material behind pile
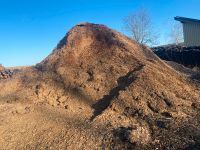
(187,56)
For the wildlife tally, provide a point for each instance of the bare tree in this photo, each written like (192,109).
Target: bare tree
(176,33)
(140,28)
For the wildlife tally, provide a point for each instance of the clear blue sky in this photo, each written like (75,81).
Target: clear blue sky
(30,29)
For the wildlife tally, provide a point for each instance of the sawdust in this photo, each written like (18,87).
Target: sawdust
(99,89)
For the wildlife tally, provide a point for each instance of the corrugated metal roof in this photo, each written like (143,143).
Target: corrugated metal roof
(184,19)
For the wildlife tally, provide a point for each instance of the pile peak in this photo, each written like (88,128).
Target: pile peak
(95,42)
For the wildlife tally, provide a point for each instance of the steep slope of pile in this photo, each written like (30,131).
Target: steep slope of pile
(106,91)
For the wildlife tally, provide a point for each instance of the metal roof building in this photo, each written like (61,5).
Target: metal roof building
(191,31)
